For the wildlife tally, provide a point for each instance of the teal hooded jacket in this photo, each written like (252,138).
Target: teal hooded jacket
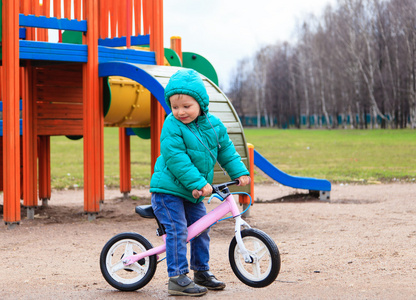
(189,152)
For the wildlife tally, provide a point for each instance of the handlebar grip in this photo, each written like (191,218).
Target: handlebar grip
(216,188)
(225,184)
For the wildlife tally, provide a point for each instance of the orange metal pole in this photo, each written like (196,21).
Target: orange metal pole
(176,45)
(30,177)
(57,8)
(77,9)
(22,85)
(27,9)
(11,128)
(114,18)
(156,110)
(161,49)
(244,199)
(101,136)
(21,166)
(26,4)
(47,8)
(1,97)
(104,19)
(251,170)
(1,162)
(44,11)
(67,9)
(147,16)
(93,117)
(44,155)
(36,11)
(128,22)
(122,18)
(84,16)
(137,17)
(125,168)
(37,8)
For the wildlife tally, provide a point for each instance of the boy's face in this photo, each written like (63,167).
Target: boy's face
(184,108)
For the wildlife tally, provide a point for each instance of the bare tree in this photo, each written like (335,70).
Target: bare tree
(408,13)
(356,65)
(237,83)
(260,72)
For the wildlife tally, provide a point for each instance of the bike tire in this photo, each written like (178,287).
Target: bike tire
(266,259)
(132,277)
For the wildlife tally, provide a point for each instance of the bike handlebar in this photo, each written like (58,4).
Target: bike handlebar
(221,186)
(216,188)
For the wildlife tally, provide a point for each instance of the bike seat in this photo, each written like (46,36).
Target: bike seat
(145,211)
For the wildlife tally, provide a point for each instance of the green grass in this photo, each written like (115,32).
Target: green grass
(67,161)
(337,155)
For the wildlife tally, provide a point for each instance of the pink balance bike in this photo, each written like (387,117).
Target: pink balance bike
(128,260)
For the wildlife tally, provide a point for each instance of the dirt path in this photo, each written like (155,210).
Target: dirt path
(358,246)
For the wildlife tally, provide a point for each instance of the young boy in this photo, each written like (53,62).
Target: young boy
(192,142)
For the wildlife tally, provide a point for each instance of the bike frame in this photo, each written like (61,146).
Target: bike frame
(228,206)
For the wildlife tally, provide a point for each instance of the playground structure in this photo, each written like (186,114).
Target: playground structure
(106,70)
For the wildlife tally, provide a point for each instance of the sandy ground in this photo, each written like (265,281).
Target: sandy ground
(361,245)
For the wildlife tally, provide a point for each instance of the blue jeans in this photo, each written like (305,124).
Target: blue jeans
(176,214)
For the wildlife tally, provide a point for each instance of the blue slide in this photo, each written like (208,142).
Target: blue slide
(154,77)
(306,183)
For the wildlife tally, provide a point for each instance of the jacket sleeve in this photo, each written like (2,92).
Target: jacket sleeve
(179,163)
(228,156)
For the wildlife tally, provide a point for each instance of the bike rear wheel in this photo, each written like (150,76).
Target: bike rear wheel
(134,276)
(265,265)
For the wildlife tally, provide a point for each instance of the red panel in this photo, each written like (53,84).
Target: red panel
(60,127)
(47,110)
(58,90)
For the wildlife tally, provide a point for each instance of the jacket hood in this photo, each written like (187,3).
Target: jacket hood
(187,82)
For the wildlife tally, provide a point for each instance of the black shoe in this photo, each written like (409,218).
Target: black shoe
(207,279)
(182,285)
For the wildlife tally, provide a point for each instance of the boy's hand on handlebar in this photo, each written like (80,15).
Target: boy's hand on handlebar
(244,180)
(196,194)
(205,191)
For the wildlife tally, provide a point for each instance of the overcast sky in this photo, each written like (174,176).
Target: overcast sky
(225,31)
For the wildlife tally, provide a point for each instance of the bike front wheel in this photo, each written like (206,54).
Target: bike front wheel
(134,276)
(265,259)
